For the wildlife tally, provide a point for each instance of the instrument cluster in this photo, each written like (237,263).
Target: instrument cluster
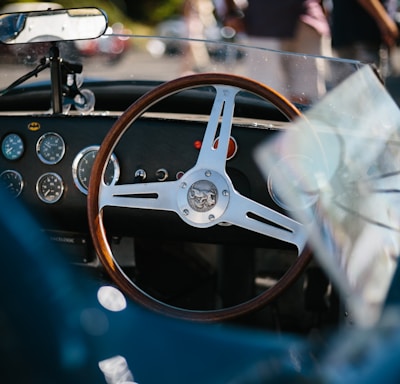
(50,149)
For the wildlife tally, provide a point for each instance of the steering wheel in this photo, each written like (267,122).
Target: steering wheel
(223,203)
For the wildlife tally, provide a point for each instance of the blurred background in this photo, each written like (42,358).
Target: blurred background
(165,17)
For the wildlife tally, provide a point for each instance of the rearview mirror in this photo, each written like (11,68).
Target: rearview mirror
(52,25)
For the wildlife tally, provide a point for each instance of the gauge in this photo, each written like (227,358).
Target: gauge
(299,190)
(232,147)
(50,187)
(12,181)
(50,148)
(82,167)
(12,146)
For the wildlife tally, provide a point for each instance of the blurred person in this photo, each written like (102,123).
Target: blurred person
(198,15)
(287,25)
(364,30)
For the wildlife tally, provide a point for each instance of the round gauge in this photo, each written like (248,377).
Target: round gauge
(82,167)
(50,187)
(297,191)
(50,148)
(12,181)
(12,146)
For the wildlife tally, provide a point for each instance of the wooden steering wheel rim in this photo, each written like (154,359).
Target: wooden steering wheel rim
(95,219)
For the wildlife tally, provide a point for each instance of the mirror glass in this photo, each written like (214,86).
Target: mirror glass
(52,25)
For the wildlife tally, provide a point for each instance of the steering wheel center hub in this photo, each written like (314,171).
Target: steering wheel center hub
(202,196)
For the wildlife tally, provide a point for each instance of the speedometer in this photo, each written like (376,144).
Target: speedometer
(82,168)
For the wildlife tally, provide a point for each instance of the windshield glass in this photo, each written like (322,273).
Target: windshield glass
(119,56)
(344,159)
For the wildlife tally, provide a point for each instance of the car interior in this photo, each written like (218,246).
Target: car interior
(166,226)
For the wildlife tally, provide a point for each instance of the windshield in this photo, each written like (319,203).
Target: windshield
(344,159)
(121,56)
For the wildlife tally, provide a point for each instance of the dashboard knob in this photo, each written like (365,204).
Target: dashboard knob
(140,175)
(161,174)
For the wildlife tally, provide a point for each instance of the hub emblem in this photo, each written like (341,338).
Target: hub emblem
(202,196)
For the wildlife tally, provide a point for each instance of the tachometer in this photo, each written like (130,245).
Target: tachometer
(50,148)
(82,167)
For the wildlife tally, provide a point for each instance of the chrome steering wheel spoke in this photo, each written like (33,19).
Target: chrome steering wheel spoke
(248,214)
(158,196)
(211,156)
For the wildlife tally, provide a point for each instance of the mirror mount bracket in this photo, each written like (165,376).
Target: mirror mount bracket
(56,80)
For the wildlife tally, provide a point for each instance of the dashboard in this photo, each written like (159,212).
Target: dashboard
(50,150)
(46,162)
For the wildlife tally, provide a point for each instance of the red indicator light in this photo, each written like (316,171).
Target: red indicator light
(179,174)
(197,144)
(232,147)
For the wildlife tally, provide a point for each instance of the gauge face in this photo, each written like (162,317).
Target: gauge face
(82,168)
(299,191)
(12,181)
(50,187)
(12,146)
(50,148)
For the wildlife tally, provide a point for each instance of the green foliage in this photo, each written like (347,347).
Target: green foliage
(147,12)
(166,9)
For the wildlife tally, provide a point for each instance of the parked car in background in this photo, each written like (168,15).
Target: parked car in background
(172,34)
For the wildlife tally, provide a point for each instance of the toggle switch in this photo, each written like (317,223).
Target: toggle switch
(161,174)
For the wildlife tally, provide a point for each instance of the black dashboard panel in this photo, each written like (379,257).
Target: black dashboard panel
(76,133)
(150,144)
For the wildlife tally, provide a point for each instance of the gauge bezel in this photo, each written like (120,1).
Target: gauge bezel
(77,161)
(39,193)
(39,151)
(20,178)
(20,153)
(233,143)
